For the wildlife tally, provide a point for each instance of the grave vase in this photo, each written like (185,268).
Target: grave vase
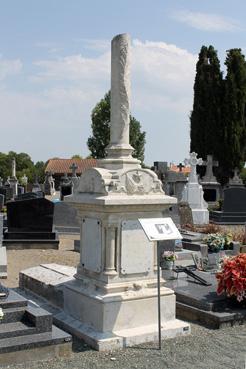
(167,264)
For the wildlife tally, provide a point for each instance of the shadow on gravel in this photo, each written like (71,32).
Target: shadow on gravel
(79,345)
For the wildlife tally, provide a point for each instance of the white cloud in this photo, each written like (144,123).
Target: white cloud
(73,68)
(206,21)
(9,67)
(56,114)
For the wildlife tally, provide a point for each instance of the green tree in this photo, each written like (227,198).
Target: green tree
(76,156)
(101,131)
(205,119)
(234,113)
(24,165)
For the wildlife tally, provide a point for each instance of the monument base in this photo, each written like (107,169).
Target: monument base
(200,216)
(120,339)
(121,319)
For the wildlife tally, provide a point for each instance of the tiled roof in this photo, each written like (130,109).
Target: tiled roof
(175,168)
(61,166)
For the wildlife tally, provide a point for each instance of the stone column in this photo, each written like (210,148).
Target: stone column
(13,168)
(120,97)
(110,250)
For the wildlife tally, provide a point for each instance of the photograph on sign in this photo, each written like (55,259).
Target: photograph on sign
(158,229)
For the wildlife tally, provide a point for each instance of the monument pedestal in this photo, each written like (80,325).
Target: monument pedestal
(121,319)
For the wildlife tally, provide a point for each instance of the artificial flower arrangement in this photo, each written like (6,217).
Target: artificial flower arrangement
(232,277)
(169,256)
(217,242)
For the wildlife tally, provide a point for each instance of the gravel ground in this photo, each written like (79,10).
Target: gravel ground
(204,348)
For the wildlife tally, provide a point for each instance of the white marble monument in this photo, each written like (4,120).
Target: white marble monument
(114,293)
(193,193)
(13,181)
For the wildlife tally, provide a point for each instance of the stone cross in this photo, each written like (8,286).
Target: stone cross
(73,167)
(119,146)
(180,166)
(236,180)
(193,161)
(209,176)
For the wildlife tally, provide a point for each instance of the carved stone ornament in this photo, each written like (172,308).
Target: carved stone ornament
(138,182)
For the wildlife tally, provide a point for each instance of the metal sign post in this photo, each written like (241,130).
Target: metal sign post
(159,296)
(159,229)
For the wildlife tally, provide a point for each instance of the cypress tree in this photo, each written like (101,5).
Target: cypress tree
(234,113)
(205,119)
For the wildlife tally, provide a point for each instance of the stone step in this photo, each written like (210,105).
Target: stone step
(35,347)
(14,300)
(15,329)
(13,315)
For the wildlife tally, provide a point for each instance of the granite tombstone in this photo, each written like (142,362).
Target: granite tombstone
(233,208)
(30,223)
(1,201)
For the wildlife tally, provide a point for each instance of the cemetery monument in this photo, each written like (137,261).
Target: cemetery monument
(113,296)
(193,193)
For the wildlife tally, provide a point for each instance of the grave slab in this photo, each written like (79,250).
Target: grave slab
(199,303)
(26,328)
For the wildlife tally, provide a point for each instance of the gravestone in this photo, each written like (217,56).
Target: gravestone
(1,182)
(66,186)
(185,214)
(20,190)
(233,208)
(193,193)
(210,185)
(30,223)
(236,181)
(7,192)
(36,186)
(1,201)
(173,182)
(65,218)
(74,178)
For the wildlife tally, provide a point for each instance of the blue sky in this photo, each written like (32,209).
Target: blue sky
(55,67)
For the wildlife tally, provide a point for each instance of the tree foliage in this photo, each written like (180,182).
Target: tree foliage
(24,165)
(234,112)
(218,117)
(205,119)
(100,137)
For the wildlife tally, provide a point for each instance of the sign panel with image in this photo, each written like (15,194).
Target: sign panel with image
(158,229)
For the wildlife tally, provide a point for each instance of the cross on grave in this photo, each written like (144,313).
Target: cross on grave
(209,176)
(193,161)
(73,167)
(65,179)
(180,166)
(236,180)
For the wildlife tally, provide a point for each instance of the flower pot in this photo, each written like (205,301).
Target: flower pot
(167,264)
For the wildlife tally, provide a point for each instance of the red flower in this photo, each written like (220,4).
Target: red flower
(232,278)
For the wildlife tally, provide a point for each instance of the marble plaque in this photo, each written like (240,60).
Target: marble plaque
(91,236)
(136,251)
